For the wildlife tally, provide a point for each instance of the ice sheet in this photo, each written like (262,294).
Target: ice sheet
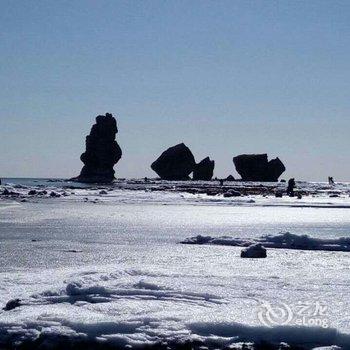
(113,271)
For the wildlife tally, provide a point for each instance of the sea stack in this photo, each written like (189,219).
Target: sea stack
(204,170)
(256,167)
(176,163)
(102,151)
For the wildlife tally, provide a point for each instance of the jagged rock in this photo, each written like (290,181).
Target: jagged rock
(230,178)
(20,186)
(102,151)
(204,170)
(232,193)
(254,251)
(176,163)
(12,304)
(55,194)
(256,167)
(6,192)
(212,192)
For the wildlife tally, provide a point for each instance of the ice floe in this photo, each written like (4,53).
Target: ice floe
(284,240)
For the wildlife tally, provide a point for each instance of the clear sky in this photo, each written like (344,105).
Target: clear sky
(224,77)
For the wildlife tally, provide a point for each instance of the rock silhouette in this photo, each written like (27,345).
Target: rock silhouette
(230,178)
(256,167)
(176,163)
(204,169)
(12,304)
(254,251)
(102,151)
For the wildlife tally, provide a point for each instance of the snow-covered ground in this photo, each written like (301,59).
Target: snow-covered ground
(283,240)
(108,267)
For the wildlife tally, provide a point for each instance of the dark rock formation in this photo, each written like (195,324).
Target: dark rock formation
(254,251)
(230,178)
(12,304)
(54,194)
(275,169)
(6,192)
(232,193)
(102,151)
(176,163)
(256,167)
(204,170)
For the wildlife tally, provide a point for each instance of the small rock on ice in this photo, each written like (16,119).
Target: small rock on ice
(231,193)
(254,251)
(12,304)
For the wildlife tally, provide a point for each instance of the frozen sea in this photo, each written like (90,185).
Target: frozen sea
(107,267)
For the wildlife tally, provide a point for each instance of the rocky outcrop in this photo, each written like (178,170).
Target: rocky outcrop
(256,167)
(232,193)
(254,251)
(204,170)
(230,178)
(102,151)
(12,304)
(176,163)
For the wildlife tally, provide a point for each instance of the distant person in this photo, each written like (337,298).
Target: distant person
(290,188)
(221,181)
(330,180)
(146,179)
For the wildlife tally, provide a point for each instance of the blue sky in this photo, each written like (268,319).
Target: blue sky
(224,77)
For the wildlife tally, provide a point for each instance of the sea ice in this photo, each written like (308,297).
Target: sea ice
(284,240)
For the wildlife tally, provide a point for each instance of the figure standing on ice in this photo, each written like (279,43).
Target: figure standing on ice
(290,188)
(330,180)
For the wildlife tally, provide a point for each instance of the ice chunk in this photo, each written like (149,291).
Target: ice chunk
(284,240)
